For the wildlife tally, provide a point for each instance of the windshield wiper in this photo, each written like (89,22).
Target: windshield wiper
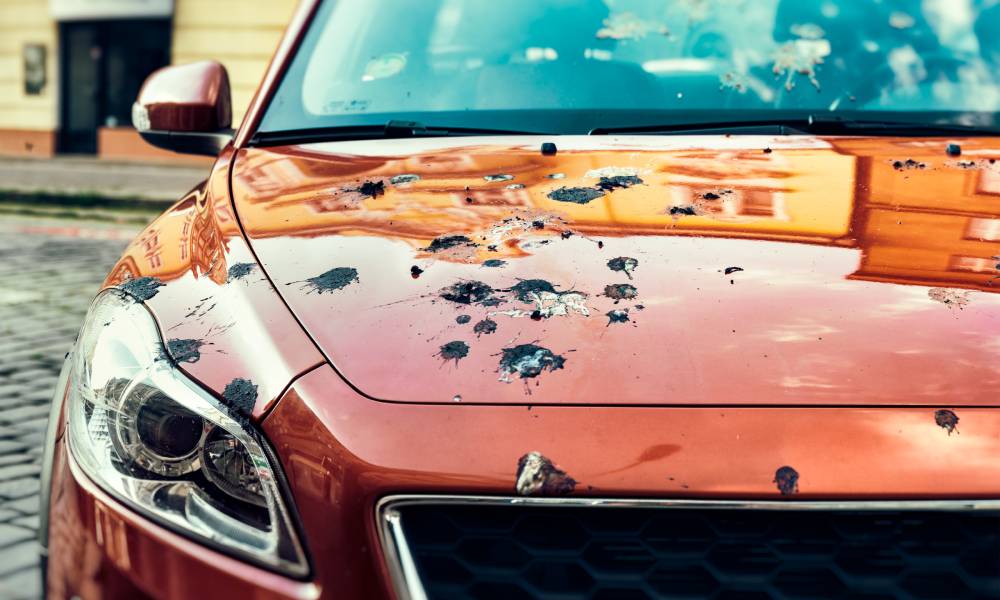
(809,124)
(386,131)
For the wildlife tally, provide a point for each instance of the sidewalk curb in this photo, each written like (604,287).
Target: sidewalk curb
(84,200)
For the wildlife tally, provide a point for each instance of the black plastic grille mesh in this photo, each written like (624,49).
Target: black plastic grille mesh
(631,553)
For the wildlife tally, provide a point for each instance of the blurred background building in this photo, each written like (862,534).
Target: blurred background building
(70,69)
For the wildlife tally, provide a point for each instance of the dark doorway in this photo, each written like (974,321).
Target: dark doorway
(103,66)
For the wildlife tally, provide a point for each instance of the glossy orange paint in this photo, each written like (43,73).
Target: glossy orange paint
(215,291)
(835,242)
(865,302)
(342,452)
(770,271)
(100,549)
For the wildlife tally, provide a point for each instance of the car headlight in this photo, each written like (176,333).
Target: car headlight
(158,442)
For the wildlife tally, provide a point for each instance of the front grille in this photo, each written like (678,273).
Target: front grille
(510,551)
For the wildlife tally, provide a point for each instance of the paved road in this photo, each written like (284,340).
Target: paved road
(49,271)
(80,175)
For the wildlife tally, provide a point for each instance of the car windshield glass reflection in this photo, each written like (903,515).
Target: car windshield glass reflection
(390,57)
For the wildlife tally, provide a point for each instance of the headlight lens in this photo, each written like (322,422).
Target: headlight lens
(158,442)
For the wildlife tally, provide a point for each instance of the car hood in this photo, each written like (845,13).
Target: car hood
(704,270)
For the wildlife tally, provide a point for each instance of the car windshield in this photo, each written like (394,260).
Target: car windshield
(566,66)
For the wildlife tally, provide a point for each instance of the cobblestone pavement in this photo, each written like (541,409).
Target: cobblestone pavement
(49,272)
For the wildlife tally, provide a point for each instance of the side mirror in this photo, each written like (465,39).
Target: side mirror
(186,108)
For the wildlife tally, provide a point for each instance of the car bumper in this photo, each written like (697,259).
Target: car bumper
(342,454)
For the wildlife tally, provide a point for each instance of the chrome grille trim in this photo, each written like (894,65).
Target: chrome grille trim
(406,580)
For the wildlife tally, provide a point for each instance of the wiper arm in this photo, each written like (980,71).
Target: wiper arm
(389,130)
(810,124)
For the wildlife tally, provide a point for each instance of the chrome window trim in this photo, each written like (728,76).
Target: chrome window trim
(403,570)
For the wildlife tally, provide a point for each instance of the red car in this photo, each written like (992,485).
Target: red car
(553,299)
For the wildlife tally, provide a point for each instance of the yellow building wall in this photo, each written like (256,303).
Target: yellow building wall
(241,34)
(27,22)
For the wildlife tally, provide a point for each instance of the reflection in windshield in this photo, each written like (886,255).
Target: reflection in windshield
(467,55)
